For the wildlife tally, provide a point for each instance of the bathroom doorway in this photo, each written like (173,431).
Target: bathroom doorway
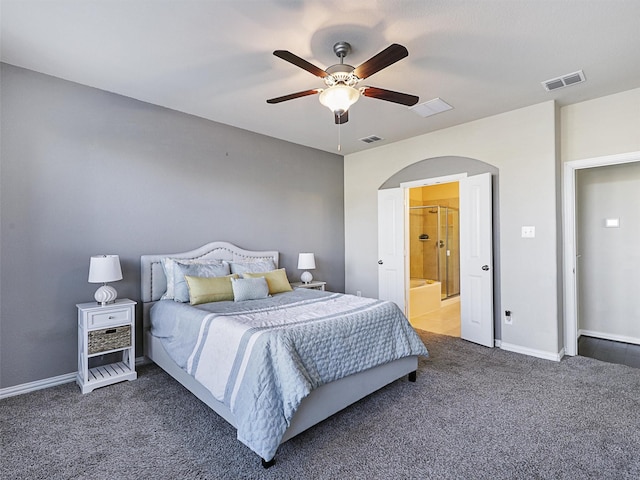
(476,198)
(434,258)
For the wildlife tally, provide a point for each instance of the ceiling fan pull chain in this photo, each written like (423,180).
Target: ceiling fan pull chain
(339,146)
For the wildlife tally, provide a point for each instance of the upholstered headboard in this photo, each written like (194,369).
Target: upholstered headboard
(154,283)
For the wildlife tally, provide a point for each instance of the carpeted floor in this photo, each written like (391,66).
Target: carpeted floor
(474,413)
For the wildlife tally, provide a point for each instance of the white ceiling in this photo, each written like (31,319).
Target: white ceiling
(214,58)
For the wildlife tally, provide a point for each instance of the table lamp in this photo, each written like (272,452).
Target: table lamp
(104,269)
(306,261)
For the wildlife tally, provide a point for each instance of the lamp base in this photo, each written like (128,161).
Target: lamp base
(306,277)
(105,295)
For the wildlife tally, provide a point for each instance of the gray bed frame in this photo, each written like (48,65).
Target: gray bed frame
(320,404)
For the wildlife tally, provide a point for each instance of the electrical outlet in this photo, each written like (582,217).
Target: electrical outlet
(508,318)
(529,232)
(359,293)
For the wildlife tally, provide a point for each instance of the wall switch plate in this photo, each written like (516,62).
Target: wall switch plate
(612,222)
(528,232)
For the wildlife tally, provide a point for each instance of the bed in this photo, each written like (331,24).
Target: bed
(316,400)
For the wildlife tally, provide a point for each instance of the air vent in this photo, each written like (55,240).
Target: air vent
(426,109)
(371,139)
(564,81)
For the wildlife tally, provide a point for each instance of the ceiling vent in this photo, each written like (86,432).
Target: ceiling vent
(564,81)
(426,109)
(371,139)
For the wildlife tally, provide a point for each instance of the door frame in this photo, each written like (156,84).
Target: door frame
(569,239)
(405,186)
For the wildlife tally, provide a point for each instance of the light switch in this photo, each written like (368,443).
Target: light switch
(528,232)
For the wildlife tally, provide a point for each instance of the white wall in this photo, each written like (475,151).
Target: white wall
(604,126)
(522,145)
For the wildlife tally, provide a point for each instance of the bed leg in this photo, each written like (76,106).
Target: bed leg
(268,464)
(413,376)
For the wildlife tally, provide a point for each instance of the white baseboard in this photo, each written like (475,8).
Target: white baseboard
(609,336)
(37,385)
(48,382)
(556,357)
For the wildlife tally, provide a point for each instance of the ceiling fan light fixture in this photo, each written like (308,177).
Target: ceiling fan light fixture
(339,97)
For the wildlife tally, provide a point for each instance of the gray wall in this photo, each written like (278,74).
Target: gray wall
(85,172)
(609,262)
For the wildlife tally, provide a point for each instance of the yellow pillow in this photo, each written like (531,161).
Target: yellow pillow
(209,289)
(276,279)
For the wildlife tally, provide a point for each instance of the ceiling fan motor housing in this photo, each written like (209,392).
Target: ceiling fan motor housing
(340,73)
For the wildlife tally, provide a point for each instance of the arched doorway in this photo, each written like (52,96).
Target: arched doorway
(443,167)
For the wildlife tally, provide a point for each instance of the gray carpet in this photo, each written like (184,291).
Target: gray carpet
(474,413)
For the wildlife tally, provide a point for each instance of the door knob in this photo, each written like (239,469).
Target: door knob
(380,262)
(485,267)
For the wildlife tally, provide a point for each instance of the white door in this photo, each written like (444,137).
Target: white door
(391,277)
(476,264)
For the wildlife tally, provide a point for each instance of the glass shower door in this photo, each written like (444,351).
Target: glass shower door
(449,252)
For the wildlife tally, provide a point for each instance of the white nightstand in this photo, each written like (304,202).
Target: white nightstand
(101,330)
(313,285)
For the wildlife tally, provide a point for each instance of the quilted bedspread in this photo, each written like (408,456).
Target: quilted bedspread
(263,361)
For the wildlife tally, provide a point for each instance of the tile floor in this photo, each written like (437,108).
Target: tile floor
(609,351)
(445,321)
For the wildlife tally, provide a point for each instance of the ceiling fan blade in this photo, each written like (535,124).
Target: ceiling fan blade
(388,56)
(291,96)
(390,96)
(341,119)
(300,62)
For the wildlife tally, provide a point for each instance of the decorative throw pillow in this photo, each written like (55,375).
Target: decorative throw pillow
(249,289)
(180,287)
(209,289)
(244,267)
(168,265)
(276,279)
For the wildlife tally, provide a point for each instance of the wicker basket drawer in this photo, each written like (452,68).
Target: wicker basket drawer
(109,339)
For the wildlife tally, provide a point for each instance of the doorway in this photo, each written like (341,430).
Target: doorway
(476,251)
(570,251)
(434,258)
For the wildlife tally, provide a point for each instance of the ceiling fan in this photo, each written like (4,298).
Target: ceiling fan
(342,80)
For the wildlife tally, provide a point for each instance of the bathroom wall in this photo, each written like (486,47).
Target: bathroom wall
(424,253)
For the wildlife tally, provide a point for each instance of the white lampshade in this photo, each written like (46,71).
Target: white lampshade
(339,97)
(104,269)
(306,261)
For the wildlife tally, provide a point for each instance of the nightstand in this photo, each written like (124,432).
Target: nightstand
(102,330)
(313,285)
